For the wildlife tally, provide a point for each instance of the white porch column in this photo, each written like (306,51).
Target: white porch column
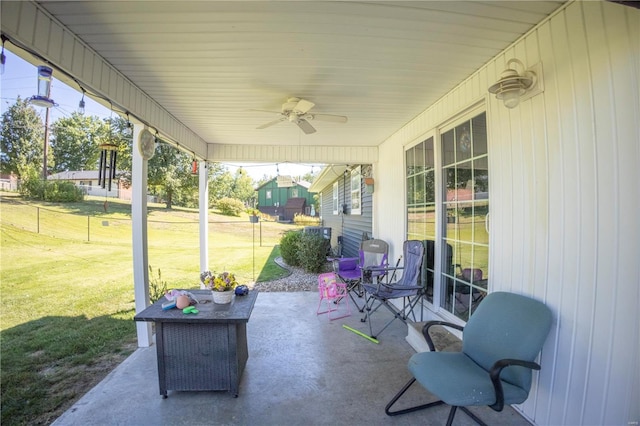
(139,236)
(203,204)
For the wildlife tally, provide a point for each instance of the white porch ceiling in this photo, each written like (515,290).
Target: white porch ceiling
(209,63)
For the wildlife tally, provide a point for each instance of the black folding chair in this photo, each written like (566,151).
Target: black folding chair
(408,288)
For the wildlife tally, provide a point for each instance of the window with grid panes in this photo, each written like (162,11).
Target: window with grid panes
(465,209)
(421,200)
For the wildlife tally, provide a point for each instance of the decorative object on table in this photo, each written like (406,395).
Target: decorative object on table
(179,299)
(222,285)
(168,305)
(242,290)
(190,310)
(183,301)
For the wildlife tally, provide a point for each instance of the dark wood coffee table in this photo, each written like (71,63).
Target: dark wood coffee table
(202,352)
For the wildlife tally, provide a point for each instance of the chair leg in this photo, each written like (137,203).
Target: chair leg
(452,414)
(335,301)
(388,411)
(402,314)
(354,289)
(473,416)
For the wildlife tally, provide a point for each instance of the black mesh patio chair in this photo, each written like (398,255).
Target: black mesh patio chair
(408,289)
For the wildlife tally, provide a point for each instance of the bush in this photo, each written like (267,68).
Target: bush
(312,252)
(31,184)
(289,247)
(300,219)
(35,188)
(157,287)
(62,192)
(230,206)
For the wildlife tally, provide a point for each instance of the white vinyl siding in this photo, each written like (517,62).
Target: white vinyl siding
(564,204)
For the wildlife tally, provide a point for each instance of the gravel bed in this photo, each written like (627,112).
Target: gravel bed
(297,280)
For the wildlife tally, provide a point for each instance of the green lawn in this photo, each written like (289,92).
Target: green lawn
(67,290)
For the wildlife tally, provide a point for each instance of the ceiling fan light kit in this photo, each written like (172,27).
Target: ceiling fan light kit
(296,110)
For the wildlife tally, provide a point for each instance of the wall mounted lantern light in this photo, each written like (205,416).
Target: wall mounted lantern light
(513,85)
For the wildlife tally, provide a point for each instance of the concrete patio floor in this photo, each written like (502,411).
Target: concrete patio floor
(302,370)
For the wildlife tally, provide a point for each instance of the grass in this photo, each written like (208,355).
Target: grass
(67,290)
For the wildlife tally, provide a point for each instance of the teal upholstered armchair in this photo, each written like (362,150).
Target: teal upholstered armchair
(500,344)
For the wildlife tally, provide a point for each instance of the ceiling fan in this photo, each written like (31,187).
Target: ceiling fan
(296,110)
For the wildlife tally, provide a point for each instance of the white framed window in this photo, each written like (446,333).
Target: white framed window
(268,194)
(294,192)
(336,198)
(356,191)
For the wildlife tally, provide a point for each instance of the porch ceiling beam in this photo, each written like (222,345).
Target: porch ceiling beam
(294,154)
(30,27)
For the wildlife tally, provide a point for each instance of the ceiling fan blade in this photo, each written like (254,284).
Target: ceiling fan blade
(303,106)
(329,117)
(271,123)
(305,126)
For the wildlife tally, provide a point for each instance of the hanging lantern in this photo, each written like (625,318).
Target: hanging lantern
(107,168)
(194,167)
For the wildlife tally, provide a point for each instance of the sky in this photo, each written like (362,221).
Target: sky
(20,79)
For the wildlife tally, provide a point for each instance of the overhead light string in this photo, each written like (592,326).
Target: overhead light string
(3,58)
(194,165)
(81,103)
(129,125)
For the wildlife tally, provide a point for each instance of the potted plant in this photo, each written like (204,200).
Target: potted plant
(222,285)
(254,215)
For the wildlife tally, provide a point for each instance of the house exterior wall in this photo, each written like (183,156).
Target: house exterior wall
(281,195)
(350,226)
(564,203)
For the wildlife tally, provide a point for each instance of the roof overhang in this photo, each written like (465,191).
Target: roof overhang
(206,75)
(327,176)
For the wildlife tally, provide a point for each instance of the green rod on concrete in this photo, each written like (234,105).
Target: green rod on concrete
(360,333)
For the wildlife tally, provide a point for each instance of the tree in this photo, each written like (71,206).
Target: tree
(75,142)
(170,176)
(220,182)
(242,188)
(309,177)
(264,179)
(22,144)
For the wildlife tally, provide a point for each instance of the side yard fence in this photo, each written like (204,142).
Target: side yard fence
(104,228)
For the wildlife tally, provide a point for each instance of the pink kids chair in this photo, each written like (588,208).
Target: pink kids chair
(332,293)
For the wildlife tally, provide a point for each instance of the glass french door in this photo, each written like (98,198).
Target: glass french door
(448,208)
(421,203)
(465,207)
